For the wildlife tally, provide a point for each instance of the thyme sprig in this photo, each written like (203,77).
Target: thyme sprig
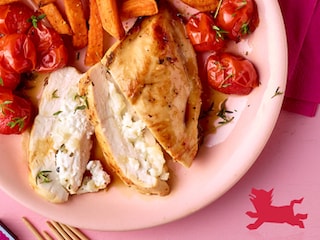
(17,121)
(277,92)
(4,106)
(35,19)
(223,113)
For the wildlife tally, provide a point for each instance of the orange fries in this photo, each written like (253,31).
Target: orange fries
(202,5)
(95,36)
(135,8)
(55,18)
(77,21)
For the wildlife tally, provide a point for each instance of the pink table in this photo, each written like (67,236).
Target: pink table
(289,165)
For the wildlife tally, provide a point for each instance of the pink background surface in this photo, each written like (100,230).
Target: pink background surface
(289,164)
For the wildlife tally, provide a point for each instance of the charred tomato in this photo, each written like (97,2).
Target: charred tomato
(204,33)
(15,18)
(15,113)
(238,17)
(231,74)
(51,51)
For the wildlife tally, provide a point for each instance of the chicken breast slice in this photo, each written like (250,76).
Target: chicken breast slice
(155,67)
(129,148)
(60,139)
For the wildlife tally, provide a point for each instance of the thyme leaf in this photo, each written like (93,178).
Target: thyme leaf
(43,177)
(4,106)
(277,92)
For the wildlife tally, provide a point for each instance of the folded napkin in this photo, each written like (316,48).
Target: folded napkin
(302,23)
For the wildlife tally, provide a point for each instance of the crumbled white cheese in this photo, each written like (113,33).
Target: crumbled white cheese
(98,180)
(149,163)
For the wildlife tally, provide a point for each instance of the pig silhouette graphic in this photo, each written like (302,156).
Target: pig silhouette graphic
(266,212)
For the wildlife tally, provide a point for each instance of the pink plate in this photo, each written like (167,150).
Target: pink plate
(222,160)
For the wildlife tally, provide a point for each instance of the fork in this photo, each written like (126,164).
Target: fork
(59,230)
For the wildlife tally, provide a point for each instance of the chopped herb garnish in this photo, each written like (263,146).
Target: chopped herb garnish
(43,177)
(17,121)
(35,19)
(223,113)
(277,92)
(1,82)
(55,94)
(245,28)
(83,100)
(219,32)
(4,106)
(242,4)
(57,113)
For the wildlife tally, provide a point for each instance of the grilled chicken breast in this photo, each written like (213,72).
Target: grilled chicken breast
(129,148)
(60,141)
(155,68)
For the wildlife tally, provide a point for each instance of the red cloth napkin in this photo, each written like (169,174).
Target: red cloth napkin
(302,23)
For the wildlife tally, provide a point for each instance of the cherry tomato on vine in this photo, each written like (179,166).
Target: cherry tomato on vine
(231,74)
(8,79)
(238,17)
(15,113)
(204,34)
(51,51)
(14,18)
(17,53)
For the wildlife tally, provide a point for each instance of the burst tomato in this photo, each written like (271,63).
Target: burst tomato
(51,51)
(231,74)
(17,53)
(8,79)
(15,113)
(238,18)
(15,18)
(204,34)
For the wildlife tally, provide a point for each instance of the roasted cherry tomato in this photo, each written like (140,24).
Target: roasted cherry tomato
(204,34)
(238,18)
(15,18)
(231,74)
(17,53)
(15,113)
(51,51)
(8,79)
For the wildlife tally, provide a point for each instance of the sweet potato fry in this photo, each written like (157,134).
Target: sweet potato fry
(55,18)
(137,8)
(75,15)
(202,5)
(4,2)
(95,36)
(110,18)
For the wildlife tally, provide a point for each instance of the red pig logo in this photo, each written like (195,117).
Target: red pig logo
(266,212)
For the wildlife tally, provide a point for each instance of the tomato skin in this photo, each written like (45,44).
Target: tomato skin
(17,53)
(238,17)
(15,113)
(231,74)
(8,79)
(204,34)
(51,51)
(14,18)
